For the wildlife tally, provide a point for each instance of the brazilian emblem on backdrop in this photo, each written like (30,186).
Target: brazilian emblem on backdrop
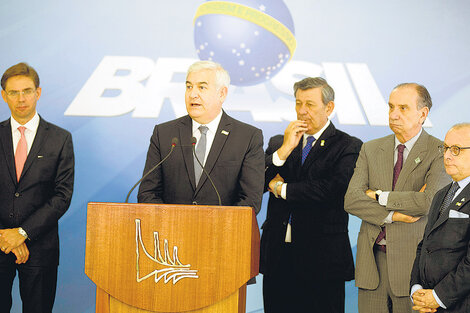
(252,39)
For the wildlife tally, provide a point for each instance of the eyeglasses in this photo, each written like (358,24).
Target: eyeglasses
(454,150)
(16,93)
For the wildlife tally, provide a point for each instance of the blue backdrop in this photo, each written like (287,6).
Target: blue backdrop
(111,70)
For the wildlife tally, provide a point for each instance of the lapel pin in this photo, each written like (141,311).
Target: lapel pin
(225,132)
(463,200)
(417,160)
(40,156)
(458,204)
(322,143)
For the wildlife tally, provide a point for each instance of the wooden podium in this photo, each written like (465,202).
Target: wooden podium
(170,258)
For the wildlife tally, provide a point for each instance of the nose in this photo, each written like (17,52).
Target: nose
(301,109)
(393,114)
(21,96)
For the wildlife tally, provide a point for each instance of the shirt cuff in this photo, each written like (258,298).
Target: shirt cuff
(284,191)
(415,288)
(383,198)
(438,300)
(277,161)
(389,218)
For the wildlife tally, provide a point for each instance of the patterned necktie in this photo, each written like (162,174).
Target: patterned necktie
(448,198)
(307,148)
(200,152)
(398,165)
(21,153)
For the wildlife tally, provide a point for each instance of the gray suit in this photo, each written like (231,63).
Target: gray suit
(374,170)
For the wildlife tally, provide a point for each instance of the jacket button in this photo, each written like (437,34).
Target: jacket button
(11,215)
(284,223)
(17,194)
(195,202)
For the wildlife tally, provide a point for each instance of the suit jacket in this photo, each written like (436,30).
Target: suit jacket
(314,196)
(443,256)
(43,193)
(235,163)
(374,170)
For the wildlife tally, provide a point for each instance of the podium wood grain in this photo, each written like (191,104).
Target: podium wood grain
(221,243)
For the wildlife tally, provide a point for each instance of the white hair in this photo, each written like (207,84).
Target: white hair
(222,78)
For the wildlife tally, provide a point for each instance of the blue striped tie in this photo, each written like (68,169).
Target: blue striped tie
(307,148)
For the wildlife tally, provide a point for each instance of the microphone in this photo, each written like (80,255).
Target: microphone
(193,143)
(174,142)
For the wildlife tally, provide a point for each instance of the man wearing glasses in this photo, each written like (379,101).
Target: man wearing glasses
(391,190)
(36,183)
(441,272)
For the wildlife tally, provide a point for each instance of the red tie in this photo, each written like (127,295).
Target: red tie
(21,153)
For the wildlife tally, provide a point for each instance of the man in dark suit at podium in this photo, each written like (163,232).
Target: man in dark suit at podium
(440,279)
(36,183)
(231,151)
(305,251)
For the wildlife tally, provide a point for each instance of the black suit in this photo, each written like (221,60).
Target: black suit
(235,163)
(320,250)
(443,256)
(35,203)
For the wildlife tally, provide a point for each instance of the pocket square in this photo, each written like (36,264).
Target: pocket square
(457,214)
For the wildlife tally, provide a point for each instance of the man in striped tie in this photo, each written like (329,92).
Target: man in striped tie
(305,251)
(440,279)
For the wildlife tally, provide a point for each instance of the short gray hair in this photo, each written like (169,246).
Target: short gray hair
(460,126)
(327,93)
(424,98)
(222,78)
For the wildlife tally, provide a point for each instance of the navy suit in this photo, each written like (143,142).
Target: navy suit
(320,250)
(35,203)
(235,163)
(443,256)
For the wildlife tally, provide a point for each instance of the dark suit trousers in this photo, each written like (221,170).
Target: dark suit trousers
(37,286)
(288,290)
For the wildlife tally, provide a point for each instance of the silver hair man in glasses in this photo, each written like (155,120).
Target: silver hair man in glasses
(440,280)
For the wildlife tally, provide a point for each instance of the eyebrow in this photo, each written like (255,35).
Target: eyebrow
(197,83)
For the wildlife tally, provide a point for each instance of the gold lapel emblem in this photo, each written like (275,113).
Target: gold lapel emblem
(417,160)
(225,132)
(322,143)
(458,204)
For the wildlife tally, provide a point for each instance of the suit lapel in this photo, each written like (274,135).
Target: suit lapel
(185,134)
(462,198)
(320,146)
(384,159)
(39,139)
(7,147)
(416,155)
(216,148)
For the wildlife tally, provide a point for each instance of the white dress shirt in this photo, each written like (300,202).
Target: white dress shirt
(210,135)
(29,133)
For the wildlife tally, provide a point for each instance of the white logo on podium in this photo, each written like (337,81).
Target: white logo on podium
(173,268)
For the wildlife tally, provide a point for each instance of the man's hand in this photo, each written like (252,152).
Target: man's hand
(400,217)
(273,182)
(10,239)
(292,135)
(424,301)
(22,253)
(370,193)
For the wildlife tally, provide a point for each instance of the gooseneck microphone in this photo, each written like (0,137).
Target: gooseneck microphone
(193,143)
(174,142)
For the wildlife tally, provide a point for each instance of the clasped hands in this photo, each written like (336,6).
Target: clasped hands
(12,241)
(424,301)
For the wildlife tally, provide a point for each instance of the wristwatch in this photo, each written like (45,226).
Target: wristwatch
(23,233)
(277,184)
(377,194)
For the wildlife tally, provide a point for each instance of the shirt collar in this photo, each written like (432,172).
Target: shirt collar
(410,143)
(319,133)
(31,125)
(464,182)
(212,125)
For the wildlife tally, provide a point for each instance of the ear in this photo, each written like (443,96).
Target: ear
(4,95)
(223,94)
(330,106)
(38,92)
(424,111)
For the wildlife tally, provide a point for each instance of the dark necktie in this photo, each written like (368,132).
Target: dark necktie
(448,198)
(200,152)
(398,165)
(307,148)
(396,173)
